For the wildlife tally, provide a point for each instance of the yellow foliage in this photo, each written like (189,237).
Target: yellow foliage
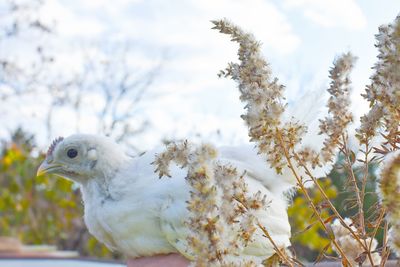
(41,210)
(307,231)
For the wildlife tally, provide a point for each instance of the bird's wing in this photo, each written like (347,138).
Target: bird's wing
(172,221)
(246,159)
(174,214)
(274,219)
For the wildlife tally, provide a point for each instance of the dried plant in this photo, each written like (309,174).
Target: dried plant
(279,139)
(383,92)
(338,105)
(221,211)
(390,194)
(352,248)
(263,96)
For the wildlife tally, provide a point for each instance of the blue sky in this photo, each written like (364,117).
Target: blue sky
(300,39)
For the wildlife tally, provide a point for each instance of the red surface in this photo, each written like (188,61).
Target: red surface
(170,260)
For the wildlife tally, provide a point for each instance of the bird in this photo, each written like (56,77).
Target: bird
(131,210)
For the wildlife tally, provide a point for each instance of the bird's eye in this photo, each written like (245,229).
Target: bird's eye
(72,153)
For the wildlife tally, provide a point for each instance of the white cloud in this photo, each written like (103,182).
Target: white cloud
(261,17)
(331,13)
(174,22)
(70,24)
(190,98)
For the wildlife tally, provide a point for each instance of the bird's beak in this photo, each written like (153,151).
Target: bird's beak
(47,168)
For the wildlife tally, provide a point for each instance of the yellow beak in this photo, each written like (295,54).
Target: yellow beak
(47,168)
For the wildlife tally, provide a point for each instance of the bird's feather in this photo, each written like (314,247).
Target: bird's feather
(128,208)
(146,215)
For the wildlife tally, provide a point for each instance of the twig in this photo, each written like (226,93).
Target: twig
(278,251)
(304,190)
(359,194)
(385,250)
(354,181)
(281,255)
(331,206)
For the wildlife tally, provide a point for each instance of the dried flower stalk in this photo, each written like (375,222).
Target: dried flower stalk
(354,251)
(384,91)
(263,96)
(390,195)
(222,217)
(338,104)
(280,141)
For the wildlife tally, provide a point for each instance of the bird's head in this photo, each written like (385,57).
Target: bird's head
(82,157)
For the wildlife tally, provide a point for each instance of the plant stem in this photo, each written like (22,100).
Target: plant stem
(333,208)
(278,251)
(380,219)
(281,255)
(356,188)
(359,193)
(305,192)
(385,250)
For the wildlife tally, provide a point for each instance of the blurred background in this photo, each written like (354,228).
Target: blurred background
(144,72)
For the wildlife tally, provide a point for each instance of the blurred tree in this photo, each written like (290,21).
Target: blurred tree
(40,210)
(119,90)
(101,88)
(308,238)
(344,201)
(104,90)
(20,72)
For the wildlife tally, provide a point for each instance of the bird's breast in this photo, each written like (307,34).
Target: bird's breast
(129,225)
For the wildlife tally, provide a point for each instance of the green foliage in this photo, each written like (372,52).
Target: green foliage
(345,203)
(44,209)
(308,237)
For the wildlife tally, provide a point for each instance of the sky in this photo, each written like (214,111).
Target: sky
(300,39)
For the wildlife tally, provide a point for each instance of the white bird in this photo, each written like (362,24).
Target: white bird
(128,208)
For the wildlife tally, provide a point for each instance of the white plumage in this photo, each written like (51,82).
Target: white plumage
(128,208)
(131,210)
